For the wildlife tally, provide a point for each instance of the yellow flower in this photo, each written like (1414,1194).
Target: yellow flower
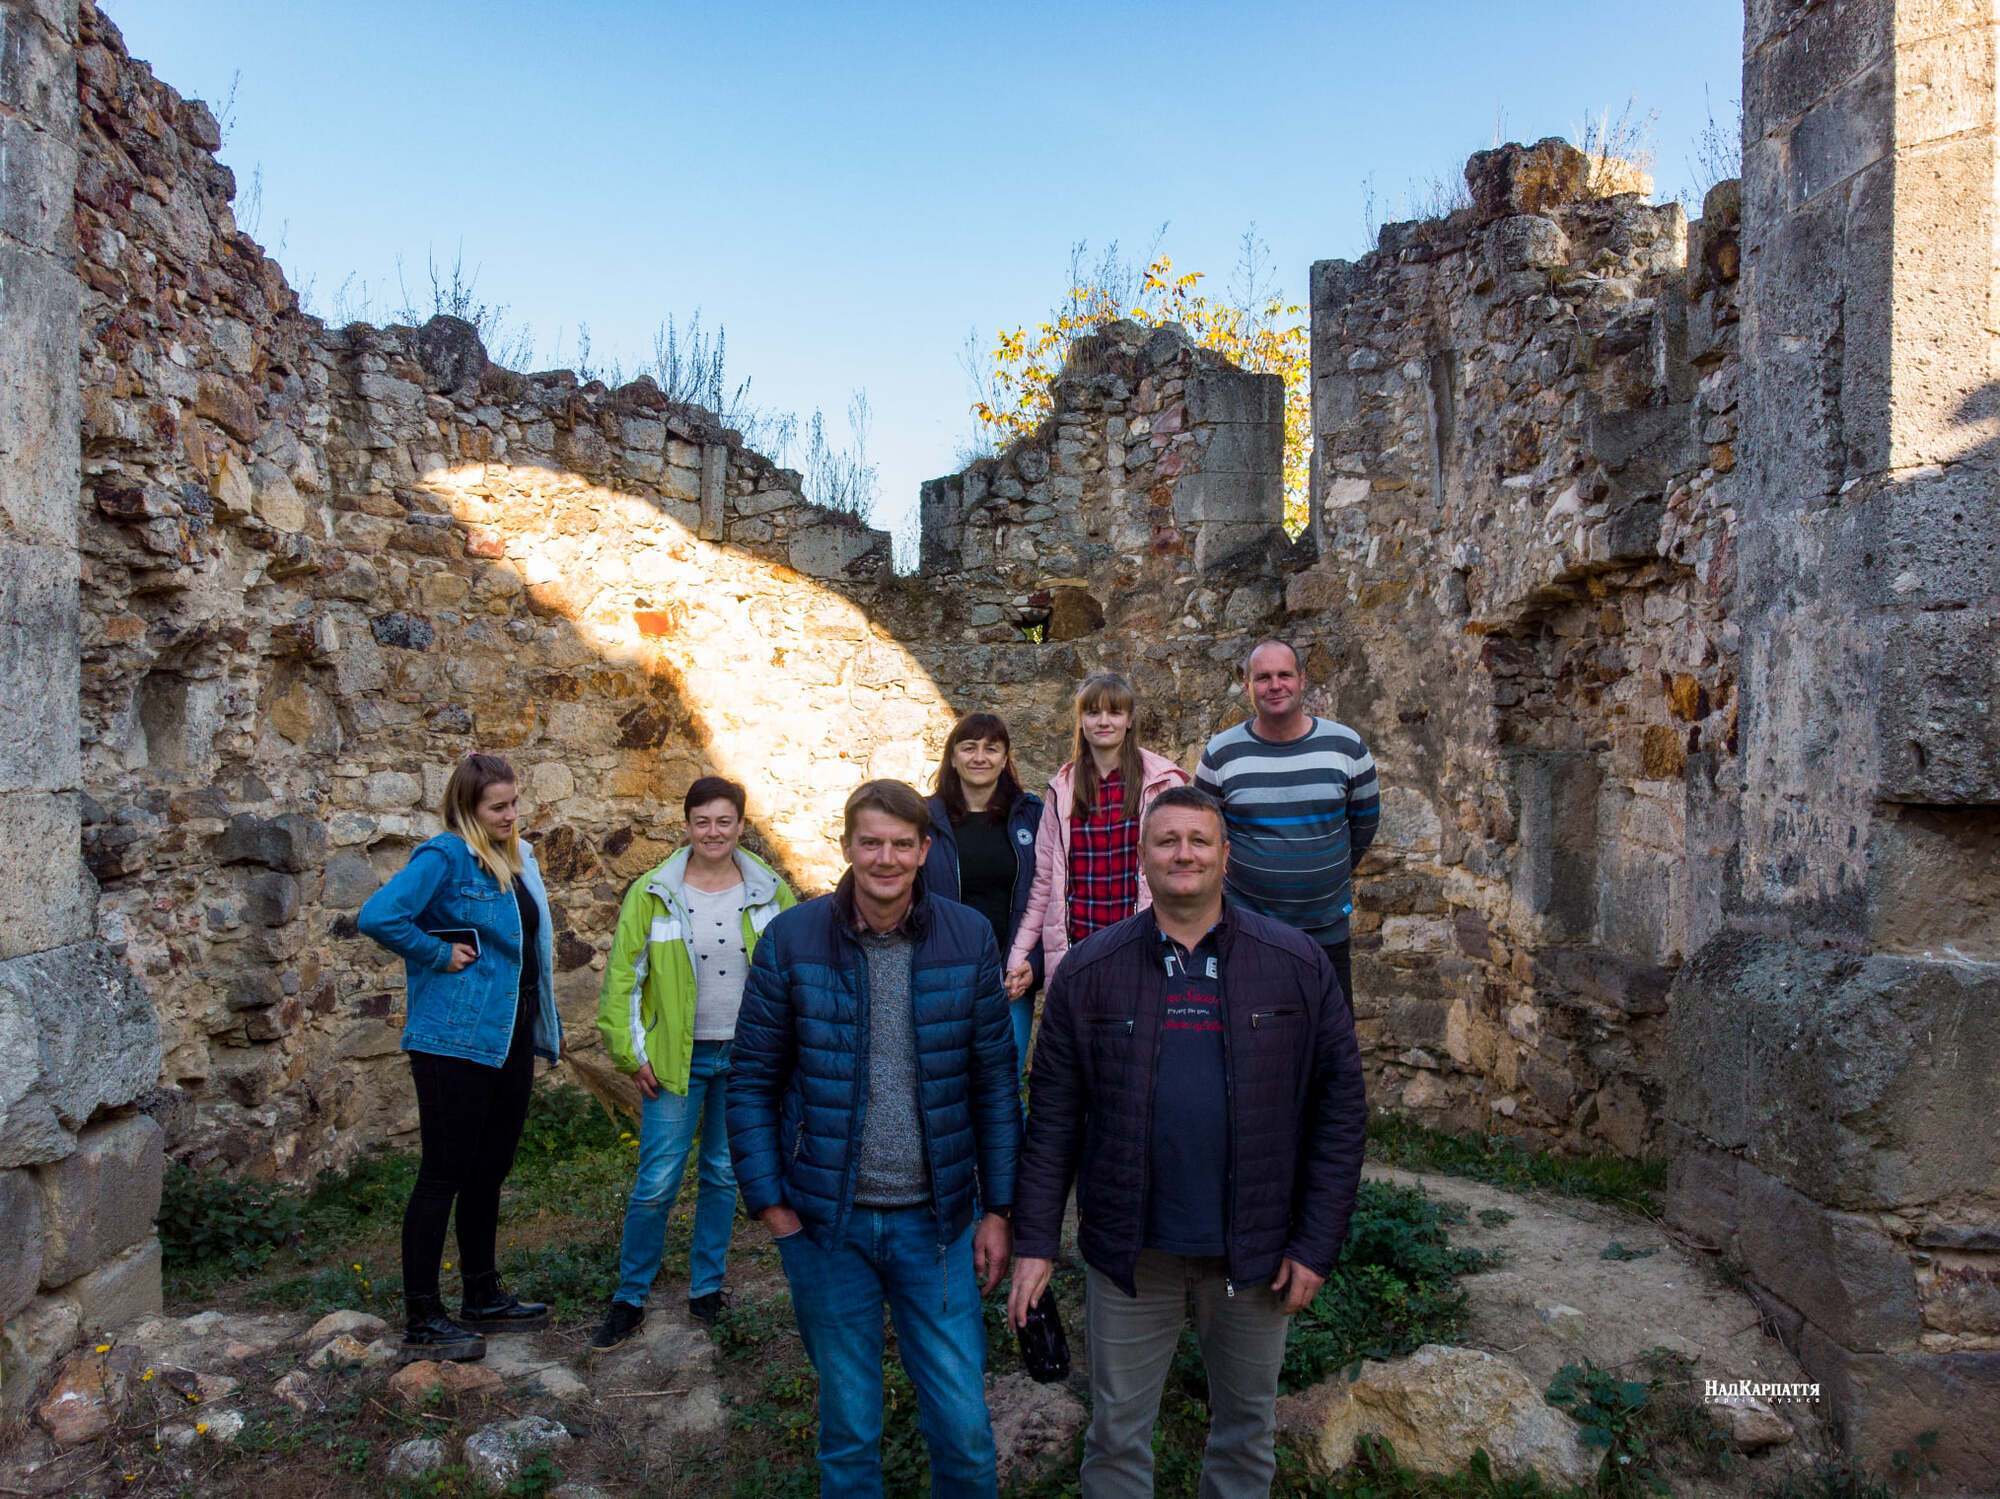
(356,1268)
(192,1398)
(201,1428)
(447,1264)
(146,1377)
(103,1347)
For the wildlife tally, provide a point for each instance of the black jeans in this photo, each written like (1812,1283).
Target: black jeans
(470,1117)
(1338,954)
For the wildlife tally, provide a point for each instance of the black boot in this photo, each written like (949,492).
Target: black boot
(490,1309)
(429,1333)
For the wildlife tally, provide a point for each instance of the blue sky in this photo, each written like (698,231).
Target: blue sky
(850,188)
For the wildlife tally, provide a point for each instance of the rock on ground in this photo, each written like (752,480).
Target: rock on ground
(1438,1406)
(413,1383)
(496,1454)
(362,1325)
(84,1402)
(1033,1424)
(416,1457)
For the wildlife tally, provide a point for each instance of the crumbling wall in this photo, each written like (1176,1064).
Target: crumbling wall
(79,1167)
(321,564)
(1524,418)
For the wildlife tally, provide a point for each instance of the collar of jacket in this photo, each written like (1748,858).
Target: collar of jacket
(669,878)
(1157,773)
(916,923)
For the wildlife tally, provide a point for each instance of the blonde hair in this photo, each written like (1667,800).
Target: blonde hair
(1100,690)
(469,781)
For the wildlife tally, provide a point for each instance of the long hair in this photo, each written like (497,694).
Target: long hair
(469,781)
(946,783)
(1100,690)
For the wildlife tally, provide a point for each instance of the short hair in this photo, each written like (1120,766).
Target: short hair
(708,789)
(1298,662)
(1188,798)
(894,798)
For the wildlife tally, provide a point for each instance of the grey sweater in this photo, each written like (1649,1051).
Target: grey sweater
(893,1172)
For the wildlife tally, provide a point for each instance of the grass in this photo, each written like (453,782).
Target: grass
(1501,1162)
(1394,1289)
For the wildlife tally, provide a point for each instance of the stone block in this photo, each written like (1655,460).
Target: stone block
(1886,1401)
(44,888)
(832,549)
(121,1290)
(37,79)
(20,1240)
(1230,396)
(37,182)
(41,419)
(1934,882)
(1939,730)
(290,841)
(78,1033)
(1253,449)
(1839,1270)
(102,1197)
(1701,1197)
(452,356)
(1863,1082)
(32,1342)
(40,669)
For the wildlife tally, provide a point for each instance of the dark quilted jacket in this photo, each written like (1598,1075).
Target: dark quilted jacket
(1297,1110)
(798,1072)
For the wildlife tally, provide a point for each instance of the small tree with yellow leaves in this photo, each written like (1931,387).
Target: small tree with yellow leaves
(1253,328)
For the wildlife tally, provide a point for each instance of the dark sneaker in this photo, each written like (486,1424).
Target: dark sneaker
(619,1324)
(429,1334)
(705,1309)
(490,1309)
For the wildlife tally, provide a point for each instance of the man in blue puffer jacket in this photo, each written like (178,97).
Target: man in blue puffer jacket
(873,1115)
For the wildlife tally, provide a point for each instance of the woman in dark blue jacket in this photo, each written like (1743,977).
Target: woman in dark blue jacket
(983,843)
(470,920)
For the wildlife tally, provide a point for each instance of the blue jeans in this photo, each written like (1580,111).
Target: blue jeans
(667,1128)
(837,1294)
(1022,1012)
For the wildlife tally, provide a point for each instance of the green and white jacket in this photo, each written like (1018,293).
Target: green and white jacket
(645,1011)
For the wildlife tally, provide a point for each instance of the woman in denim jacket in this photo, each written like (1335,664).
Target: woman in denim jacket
(482,1006)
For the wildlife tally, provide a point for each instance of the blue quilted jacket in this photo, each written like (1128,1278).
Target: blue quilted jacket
(798,1073)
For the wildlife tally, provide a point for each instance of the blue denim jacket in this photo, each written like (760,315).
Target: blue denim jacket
(470,1013)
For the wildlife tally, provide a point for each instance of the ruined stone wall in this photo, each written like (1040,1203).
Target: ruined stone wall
(1834,1067)
(1524,419)
(322,564)
(79,1167)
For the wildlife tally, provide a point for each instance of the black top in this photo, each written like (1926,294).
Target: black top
(1190,1137)
(986,871)
(531,968)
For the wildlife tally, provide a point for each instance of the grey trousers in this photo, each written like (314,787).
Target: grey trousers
(1132,1342)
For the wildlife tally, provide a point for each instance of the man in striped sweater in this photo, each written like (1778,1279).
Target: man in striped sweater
(1300,798)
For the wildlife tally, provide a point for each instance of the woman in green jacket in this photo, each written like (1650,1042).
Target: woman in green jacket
(667,1013)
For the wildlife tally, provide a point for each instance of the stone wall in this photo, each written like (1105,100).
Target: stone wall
(1524,418)
(321,564)
(1833,1057)
(79,1169)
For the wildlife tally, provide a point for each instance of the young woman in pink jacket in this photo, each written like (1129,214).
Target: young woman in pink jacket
(1087,852)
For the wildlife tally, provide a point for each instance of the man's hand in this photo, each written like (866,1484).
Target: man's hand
(462,956)
(1019,980)
(992,1248)
(648,1083)
(1031,1278)
(781,1220)
(1297,1285)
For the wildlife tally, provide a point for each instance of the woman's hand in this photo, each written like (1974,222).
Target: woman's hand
(462,956)
(1019,980)
(648,1083)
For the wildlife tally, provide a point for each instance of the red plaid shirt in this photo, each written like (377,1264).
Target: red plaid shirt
(1103,862)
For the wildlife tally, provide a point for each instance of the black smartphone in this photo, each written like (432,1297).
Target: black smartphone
(464,935)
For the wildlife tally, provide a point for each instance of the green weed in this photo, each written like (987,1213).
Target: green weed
(1633,1184)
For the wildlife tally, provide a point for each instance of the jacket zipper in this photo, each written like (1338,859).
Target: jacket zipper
(1257,1017)
(1158,995)
(1229,1116)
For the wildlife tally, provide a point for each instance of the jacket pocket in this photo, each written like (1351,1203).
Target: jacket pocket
(1284,1015)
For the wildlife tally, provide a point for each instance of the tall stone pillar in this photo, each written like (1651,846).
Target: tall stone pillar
(79,1184)
(1835,1054)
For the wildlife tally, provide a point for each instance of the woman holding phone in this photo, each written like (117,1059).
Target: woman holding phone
(470,919)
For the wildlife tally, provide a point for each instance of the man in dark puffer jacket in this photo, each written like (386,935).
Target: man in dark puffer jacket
(1197,1077)
(872,1112)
